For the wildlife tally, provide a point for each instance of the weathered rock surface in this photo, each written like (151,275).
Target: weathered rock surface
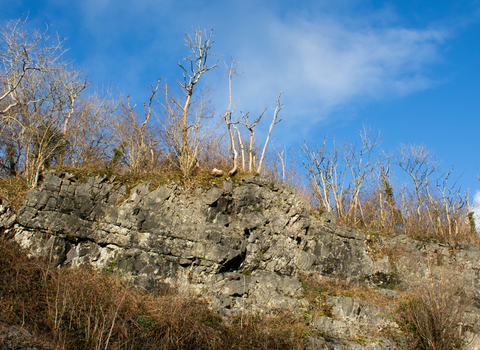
(364,325)
(236,240)
(242,246)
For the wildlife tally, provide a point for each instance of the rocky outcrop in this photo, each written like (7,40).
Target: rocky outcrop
(234,240)
(242,245)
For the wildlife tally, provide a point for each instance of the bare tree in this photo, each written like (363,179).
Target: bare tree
(418,163)
(197,131)
(227,117)
(251,128)
(38,95)
(452,207)
(90,131)
(340,175)
(361,165)
(135,136)
(327,175)
(276,119)
(252,160)
(199,45)
(241,145)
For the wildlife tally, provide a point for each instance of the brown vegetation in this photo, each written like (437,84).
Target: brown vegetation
(80,308)
(433,313)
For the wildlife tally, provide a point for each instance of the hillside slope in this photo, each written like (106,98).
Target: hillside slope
(243,246)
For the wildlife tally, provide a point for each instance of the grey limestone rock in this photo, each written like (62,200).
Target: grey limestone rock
(256,228)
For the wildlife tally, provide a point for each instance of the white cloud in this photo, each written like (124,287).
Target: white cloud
(326,63)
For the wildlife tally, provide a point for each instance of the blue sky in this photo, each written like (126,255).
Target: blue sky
(409,69)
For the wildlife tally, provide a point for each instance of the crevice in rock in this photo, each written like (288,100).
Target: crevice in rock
(233,264)
(103,245)
(76,240)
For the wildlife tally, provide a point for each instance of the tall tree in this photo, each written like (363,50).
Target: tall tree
(178,127)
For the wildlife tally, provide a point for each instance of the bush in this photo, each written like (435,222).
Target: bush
(433,315)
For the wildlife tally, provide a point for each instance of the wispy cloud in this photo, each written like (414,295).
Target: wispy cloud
(325,63)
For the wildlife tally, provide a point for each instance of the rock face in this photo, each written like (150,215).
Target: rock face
(253,239)
(241,245)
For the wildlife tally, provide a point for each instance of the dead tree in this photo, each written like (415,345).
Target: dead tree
(327,175)
(252,161)
(418,163)
(199,45)
(276,119)
(197,130)
(241,145)
(251,128)
(90,132)
(227,117)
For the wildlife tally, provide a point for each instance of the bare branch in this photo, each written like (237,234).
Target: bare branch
(199,45)
(276,119)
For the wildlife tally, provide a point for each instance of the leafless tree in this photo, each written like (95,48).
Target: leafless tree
(91,132)
(184,126)
(38,95)
(251,129)
(241,145)
(198,130)
(252,160)
(418,163)
(339,175)
(327,175)
(276,119)
(361,164)
(135,136)
(452,207)
(227,117)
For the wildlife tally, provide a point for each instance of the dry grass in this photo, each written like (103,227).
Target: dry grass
(201,178)
(13,190)
(83,309)
(433,312)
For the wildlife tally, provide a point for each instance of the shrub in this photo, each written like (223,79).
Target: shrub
(433,315)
